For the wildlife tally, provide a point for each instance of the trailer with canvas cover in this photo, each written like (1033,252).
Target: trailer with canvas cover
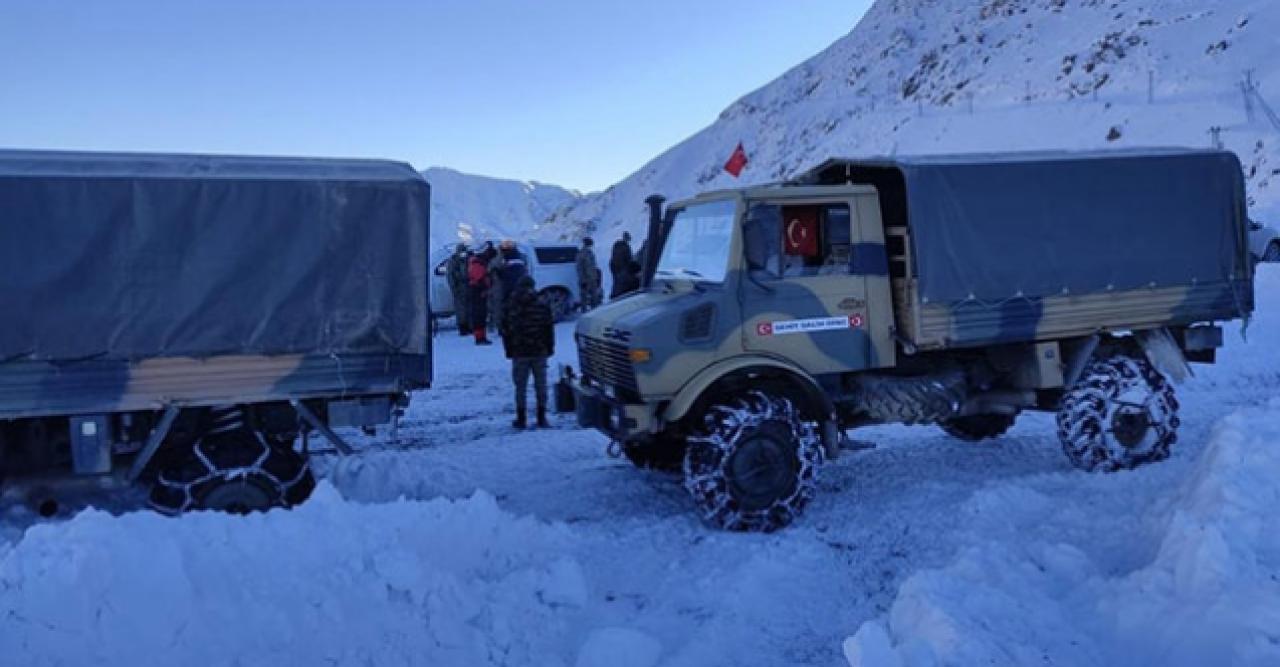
(179,321)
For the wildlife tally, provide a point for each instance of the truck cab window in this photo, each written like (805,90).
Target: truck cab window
(816,240)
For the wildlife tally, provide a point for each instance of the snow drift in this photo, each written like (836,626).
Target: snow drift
(405,583)
(1208,596)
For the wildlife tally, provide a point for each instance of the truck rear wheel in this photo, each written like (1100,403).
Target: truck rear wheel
(1122,413)
(233,469)
(976,428)
(753,463)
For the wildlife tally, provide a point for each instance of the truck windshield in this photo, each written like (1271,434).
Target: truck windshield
(697,247)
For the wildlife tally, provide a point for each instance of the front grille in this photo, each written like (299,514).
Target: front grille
(607,362)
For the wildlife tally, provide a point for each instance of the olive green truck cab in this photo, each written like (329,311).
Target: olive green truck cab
(959,291)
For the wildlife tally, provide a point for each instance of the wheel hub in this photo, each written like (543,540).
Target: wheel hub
(762,471)
(1129,425)
(237,496)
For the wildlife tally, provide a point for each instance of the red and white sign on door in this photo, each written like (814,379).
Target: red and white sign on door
(814,325)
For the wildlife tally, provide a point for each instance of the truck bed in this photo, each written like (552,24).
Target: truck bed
(43,389)
(1040,246)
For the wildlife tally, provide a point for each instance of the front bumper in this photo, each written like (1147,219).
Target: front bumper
(620,421)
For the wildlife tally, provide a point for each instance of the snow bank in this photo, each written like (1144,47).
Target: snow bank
(406,583)
(1209,594)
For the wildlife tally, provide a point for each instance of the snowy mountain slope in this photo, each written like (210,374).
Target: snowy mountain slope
(939,76)
(466,207)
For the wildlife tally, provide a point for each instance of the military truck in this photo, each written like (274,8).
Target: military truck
(959,291)
(182,323)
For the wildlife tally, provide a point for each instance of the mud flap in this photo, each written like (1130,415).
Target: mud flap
(1163,352)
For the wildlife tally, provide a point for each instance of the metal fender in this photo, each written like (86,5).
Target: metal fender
(692,390)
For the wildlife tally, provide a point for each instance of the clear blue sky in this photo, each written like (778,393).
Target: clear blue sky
(578,93)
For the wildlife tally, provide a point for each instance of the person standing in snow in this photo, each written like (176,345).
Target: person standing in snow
(456,272)
(621,263)
(478,284)
(494,302)
(528,338)
(509,267)
(588,275)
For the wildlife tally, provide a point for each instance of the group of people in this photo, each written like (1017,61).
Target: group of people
(493,291)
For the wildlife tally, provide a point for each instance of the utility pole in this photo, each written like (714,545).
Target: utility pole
(1151,86)
(1216,133)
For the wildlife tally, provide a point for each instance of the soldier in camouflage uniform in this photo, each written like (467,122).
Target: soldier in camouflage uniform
(528,338)
(456,271)
(589,289)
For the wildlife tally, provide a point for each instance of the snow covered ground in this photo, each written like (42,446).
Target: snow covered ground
(466,543)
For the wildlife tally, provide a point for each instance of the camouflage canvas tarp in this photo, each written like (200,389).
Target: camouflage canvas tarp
(988,229)
(118,256)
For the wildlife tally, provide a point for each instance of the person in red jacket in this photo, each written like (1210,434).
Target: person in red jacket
(478,284)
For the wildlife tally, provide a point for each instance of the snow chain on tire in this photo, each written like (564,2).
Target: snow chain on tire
(1115,395)
(231,459)
(712,448)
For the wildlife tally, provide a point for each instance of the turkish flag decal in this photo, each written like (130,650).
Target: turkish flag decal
(800,231)
(737,162)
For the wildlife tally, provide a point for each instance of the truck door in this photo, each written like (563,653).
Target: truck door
(809,303)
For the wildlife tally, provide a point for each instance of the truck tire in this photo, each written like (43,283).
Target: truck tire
(235,470)
(911,400)
(753,463)
(1122,413)
(976,428)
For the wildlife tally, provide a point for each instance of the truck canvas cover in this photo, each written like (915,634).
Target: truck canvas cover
(128,257)
(987,229)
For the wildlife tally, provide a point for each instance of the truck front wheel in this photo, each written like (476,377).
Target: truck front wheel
(753,463)
(1122,413)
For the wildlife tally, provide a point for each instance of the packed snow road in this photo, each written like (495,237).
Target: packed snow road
(464,542)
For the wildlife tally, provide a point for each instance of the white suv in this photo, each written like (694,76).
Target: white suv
(1264,242)
(553,267)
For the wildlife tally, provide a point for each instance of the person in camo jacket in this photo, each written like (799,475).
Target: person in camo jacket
(528,338)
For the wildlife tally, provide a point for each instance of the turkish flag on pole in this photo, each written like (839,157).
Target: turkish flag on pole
(737,162)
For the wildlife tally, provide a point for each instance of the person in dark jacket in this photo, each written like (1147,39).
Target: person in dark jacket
(620,267)
(528,338)
(506,270)
(588,276)
(478,284)
(456,272)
